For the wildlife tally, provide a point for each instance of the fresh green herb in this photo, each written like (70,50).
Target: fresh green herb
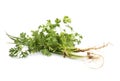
(48,40)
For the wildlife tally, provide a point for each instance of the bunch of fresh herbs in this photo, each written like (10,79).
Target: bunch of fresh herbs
(50,38)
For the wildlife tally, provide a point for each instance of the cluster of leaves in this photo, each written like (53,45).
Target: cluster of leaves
(47,40)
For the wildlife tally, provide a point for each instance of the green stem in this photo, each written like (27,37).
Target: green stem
(74,56)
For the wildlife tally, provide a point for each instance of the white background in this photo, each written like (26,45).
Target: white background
(97,20)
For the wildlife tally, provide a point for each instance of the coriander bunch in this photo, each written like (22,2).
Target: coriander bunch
(48,40)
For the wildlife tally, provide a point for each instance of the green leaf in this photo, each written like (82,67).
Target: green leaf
(13,52)
(45,52)
(57,20)
(23,54)
(66,19)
